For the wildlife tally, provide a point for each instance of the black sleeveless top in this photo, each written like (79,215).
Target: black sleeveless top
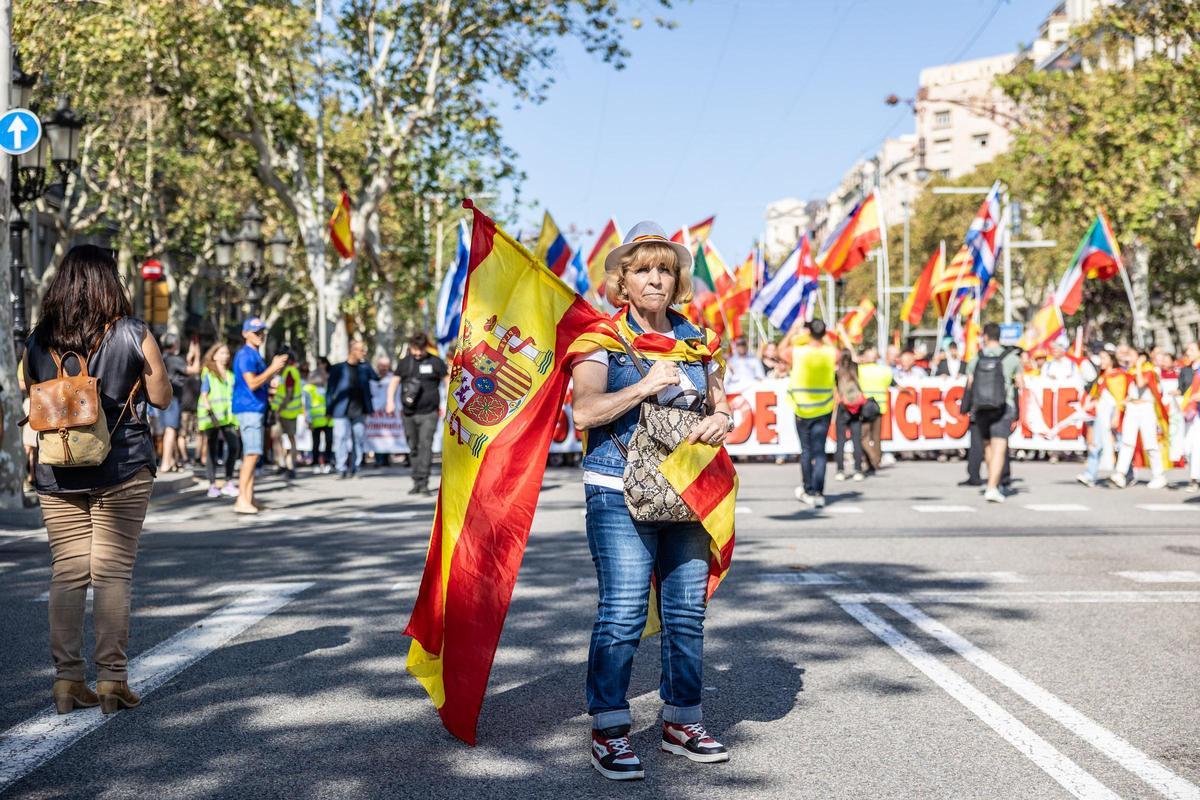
(118,363)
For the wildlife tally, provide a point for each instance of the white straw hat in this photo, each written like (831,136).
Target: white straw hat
(640,234)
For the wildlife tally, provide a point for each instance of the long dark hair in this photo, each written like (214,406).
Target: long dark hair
(847,370)
(85,295)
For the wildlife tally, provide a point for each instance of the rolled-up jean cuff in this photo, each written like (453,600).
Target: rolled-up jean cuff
(611,719)
(683,715)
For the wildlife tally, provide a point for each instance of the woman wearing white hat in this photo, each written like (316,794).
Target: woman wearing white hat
(647,274)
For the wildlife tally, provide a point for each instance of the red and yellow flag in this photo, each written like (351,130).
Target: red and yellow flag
(854,323)
(707,482)
(1045,327)
(849,244)
(610,238)
(339,228)
(1196,234)
(954,280)
(521,327)
(914,305)
(694,234)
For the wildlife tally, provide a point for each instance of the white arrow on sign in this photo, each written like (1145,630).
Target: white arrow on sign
(16,128)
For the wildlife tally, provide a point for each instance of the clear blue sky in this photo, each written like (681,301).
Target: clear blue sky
(745,102)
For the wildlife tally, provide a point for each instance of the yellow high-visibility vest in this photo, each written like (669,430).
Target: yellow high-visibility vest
(295,406)
(875,380)
(811,389)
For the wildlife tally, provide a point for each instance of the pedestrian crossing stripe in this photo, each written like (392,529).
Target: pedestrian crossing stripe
(1168,576)
(1056,507)
(803,578)
(1168,507)
(946,509)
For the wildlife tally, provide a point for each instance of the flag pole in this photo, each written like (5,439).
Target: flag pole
(946,314)
(1137,327)
(884,309)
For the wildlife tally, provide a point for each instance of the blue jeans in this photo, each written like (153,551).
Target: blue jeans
(349,442)
(625,552)
(813,432)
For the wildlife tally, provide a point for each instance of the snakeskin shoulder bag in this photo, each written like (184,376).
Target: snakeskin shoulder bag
(660,429)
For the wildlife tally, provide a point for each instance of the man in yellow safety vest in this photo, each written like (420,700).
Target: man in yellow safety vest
(319,421)
(811,396)
(875,379)
(288,404)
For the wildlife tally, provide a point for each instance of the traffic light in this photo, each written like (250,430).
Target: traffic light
(156,297)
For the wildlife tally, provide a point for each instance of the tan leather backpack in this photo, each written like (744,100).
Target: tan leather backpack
(68,417)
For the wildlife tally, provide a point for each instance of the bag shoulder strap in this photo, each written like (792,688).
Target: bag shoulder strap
(128,405)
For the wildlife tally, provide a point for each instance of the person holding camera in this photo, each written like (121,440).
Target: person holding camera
(419,377)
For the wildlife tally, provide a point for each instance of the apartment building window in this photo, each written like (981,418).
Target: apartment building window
(943,173)
(981,140)
(941,119)
(941,146)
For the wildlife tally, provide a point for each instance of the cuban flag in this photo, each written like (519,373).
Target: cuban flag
(987,235)
(576,274)
(788,293)
(450,296)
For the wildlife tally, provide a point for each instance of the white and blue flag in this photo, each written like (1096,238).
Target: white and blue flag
(788,294)
(450,296)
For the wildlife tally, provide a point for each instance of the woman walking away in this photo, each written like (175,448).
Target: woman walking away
(849,414)
(216,419)
(93,512)
(646,275)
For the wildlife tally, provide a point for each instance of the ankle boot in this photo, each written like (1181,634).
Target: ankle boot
(70,695)
(115,695)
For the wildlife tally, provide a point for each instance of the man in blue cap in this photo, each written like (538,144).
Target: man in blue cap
(251,377)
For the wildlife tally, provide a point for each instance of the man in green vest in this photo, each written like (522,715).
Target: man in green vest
(811,396)
(876,381)
(319,421)
(288,403)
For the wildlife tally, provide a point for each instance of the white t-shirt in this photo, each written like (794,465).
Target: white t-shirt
(664,398)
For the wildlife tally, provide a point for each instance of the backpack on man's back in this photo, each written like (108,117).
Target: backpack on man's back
(989,390)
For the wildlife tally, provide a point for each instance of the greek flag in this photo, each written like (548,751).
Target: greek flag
(450,296)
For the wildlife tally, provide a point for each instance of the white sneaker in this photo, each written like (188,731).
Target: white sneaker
(1085,480)
(803,496)
(1118,480)
(818,501)
(1157,483)
(858,476)
(887,460)
(1193,487)
(841,476)
(993,496)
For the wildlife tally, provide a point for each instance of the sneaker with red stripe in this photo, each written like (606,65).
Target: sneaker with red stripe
(692,740)
(612,755)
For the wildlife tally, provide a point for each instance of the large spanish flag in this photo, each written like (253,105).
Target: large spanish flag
(339,228)
(520,331)
(848,245)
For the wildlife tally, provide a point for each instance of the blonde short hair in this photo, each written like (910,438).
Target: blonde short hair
(648,254)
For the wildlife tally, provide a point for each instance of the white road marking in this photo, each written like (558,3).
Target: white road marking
(1003,598)
(6,565)
(1067,773)
(12,537)
(970,577)
(1056,507)
(171,518)
(838,508)
(44,597)
(946,509)
(29,744)
(1169,576)
(1169,506)
(1154,774)
(803,578)
(386,516)
(742,510)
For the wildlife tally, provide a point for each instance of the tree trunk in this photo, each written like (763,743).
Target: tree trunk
(1139,277)
(385,320)
(12,454)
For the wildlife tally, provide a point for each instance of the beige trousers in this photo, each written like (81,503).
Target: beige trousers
(93,541)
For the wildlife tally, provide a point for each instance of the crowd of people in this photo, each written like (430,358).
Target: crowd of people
(1137,406)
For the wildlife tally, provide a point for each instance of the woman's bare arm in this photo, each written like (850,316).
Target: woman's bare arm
(594,406)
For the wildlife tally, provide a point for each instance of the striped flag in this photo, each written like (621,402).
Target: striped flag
(552,247)
(691,234)
(450,297)
(854,323)
(521,328)
(1045,326)
(707,482)
(340,234)
(988,235)
(786,295)
(914,305)
(857,235)
(610,237)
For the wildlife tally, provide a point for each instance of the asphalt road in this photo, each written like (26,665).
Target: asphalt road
(910,641)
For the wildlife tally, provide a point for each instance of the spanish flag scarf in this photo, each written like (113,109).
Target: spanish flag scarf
(654,346)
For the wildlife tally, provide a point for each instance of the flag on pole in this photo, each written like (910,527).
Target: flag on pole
(918,298)
(1045,327)
(955,284)
(552,247)
(1097,258)
(450,296)
(691,234)
(705,307)
(852,240)
(736,297)
(1196,234)
(782,298)
(576,274)
(507,382)
(987,235)
(852,326)
(610,237)
(339,227)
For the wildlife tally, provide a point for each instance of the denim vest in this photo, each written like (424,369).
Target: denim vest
(602,454)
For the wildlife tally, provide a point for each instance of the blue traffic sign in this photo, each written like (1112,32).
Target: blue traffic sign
(1010,333)
(20,131)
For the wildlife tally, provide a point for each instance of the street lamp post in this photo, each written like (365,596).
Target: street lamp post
(60,146)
